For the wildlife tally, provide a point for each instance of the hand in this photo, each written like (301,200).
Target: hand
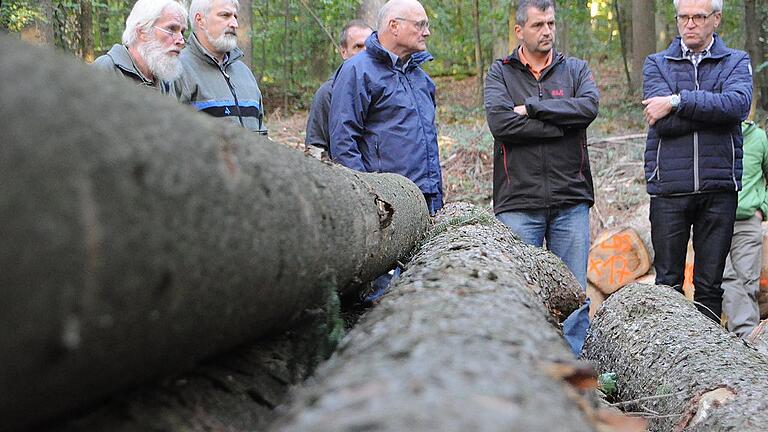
(759,214)
(520,110)
(656,108)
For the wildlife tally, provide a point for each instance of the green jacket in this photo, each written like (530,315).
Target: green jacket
(118,61)
(753,194)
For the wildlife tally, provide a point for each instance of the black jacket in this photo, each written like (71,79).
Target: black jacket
(540,160)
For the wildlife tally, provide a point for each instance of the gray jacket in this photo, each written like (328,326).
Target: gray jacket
(227,90)
(118,61)
(317,122)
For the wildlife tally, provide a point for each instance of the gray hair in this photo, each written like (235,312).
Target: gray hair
(391,9)
(521,16)
(203,7)
(717,5)
(144,15)
(345,31)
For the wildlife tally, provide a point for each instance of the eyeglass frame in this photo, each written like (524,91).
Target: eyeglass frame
(421,24)
(170,33)
(693,18)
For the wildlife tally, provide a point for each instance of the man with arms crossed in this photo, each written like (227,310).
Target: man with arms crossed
(538,103)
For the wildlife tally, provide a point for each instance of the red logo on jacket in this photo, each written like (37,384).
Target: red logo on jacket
(558,93)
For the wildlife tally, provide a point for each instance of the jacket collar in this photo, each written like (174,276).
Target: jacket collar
(514,60)
(675,49)
(374,48)
(199,51)
(122,59)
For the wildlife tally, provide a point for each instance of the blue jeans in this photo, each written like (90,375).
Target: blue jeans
(566,231)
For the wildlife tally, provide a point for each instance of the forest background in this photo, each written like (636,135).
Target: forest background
(291,47)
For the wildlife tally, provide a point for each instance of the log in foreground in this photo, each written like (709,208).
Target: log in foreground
(691,372)
(461,343)
(139,236)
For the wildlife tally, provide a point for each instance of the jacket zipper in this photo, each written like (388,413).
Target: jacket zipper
(696,138)
(733,164)
(234,95)
(543,155)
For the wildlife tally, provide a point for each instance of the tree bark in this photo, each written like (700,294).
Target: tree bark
(368,11)
(140,236)
(753,20)
(479,66)
(245,31)
(662,348)
(460,343)
(85,19)
(643,25)
(237,390)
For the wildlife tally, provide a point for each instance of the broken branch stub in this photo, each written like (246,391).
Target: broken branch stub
(139,236)
(700,377)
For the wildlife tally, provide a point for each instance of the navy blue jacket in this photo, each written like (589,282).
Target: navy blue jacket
(698,147)
(384,117)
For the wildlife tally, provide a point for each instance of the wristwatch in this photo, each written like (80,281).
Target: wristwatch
(674,100)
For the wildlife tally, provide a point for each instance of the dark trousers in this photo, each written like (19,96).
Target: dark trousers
(712,216)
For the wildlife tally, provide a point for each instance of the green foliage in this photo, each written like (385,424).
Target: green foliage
(15,15)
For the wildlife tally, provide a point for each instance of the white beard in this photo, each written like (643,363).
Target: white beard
(166,67)
(224,43)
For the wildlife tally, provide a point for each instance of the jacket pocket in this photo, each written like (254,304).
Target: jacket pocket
(377,149)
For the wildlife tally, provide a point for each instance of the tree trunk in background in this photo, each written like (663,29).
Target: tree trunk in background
(139,236)
(643,42)
(479,65)
(753,20)
(672,361)
(621,24)
(85,19)
(40,32)
(368,11)
(460,343)
(245,31)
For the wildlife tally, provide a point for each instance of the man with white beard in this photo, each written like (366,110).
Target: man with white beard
(152,41)
(215,80)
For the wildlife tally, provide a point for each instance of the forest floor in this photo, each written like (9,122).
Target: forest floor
(466,146)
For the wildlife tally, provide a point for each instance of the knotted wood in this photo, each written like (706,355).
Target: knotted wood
(462,342)
(140,236)
(690,372)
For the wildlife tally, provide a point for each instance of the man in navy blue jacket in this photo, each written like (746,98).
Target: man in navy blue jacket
(383,104)
(696,93)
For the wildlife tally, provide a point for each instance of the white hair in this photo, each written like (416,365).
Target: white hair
(203,7)
(390,10)
(717,5)
(144,15)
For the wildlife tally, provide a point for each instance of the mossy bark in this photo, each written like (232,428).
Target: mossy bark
(460,343)
(140,236)
(684,371)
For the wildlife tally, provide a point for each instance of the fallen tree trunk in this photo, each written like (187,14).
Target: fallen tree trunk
(234,391)
(680,369)
(460,343)
(139,236)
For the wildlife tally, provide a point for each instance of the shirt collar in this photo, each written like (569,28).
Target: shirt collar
(687,51)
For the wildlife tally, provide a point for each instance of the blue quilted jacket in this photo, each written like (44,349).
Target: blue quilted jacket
(697,148)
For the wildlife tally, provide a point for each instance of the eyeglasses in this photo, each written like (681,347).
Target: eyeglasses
(421,25)
(173,34)
(697,19)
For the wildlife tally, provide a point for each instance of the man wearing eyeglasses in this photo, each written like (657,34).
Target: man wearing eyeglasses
(215,80)
(696,93)
(383,103)
(152,41)
(538,104)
